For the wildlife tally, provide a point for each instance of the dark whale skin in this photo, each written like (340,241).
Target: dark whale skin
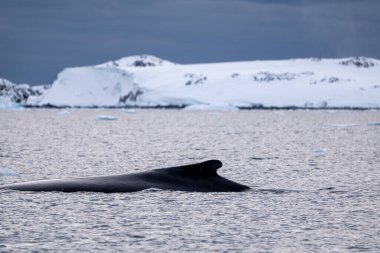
(200,177)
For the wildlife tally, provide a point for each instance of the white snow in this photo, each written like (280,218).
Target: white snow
(149,81)
(89,86)
(39,94)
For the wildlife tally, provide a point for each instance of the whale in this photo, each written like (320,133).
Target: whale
(199,177)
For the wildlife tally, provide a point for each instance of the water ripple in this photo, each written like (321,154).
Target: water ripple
(315,188)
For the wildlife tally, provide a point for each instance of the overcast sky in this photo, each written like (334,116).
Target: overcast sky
(39,38)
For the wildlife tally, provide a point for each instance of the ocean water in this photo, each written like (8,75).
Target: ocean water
(315,179)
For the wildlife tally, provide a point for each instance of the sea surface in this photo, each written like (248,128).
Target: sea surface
(315,179)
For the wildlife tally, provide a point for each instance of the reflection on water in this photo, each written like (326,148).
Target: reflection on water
(314,178)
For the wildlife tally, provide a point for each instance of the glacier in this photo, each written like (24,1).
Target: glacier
(147,81)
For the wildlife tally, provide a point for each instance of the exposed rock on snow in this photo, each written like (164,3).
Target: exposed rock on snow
(193,79)
(12,94)
(133,95)
(137,61)
(360,62)
(269,77)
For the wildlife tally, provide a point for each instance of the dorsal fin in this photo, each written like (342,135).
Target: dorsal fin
(207,167)
(203,169)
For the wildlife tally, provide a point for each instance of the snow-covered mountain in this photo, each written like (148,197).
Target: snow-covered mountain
(137,61)
(20,94)
(147,81)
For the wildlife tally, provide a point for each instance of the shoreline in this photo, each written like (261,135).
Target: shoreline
(180,107)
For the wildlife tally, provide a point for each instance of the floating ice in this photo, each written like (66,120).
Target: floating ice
(319,151)
(129,111)
(64,112)
(106,117)
(343,125)
(215,113)
(206,107)
(7,172)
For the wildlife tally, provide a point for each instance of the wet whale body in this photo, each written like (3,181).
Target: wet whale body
(200,177)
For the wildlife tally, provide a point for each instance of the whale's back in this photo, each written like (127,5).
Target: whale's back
(201,177)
